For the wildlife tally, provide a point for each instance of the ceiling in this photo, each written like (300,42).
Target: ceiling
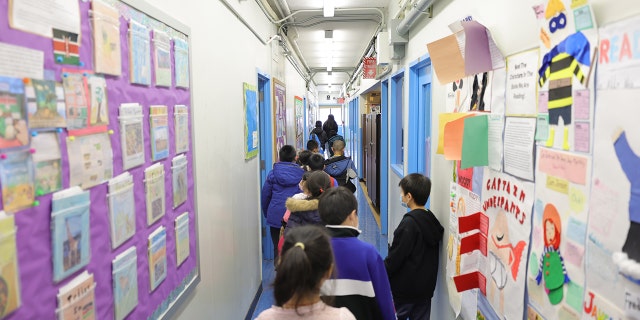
(354,25)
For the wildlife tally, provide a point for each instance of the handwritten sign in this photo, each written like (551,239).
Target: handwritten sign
(563,165)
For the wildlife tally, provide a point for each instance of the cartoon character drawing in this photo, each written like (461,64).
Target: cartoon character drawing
(460,93)
(558,67)
(630,162)
(504,257)
(552,267)
(556,16)
(479,87)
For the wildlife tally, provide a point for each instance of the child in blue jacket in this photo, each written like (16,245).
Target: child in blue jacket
(281,183)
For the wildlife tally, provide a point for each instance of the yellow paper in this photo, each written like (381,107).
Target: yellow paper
(447,59)
(445,118)
(9,264)
(577,200)
(558,184)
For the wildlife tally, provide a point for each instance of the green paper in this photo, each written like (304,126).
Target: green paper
(542,127)
(574,296)
(475,142)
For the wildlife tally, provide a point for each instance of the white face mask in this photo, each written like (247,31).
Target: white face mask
(402,202)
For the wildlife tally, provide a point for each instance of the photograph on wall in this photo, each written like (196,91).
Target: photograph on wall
(105,21)
(139,53)
(556,260)
(90,160)
(181,59)
(250,121)
(565,80)
(14,129)
(16,177)
(614,205)
(45,104)
(131,135)
(162,58)
(46,163)
(181,128)
(280,115)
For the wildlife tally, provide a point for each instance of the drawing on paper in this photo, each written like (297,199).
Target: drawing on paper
(45,104)
(99,109)
(139,53)
(14,131)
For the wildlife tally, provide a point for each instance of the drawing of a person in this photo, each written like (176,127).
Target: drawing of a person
(558,67)
(630,164)
(552,267)
(459,93)
(504,257)
(477,97)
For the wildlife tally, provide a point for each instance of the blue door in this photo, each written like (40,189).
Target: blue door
(266,154)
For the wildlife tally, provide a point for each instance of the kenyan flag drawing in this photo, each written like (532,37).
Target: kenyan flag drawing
(65,47)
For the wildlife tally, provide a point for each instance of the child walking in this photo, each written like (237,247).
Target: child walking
(307,261)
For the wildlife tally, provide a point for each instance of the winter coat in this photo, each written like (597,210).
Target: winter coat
(282,183)
(322,136)
(303,212)
(337,167)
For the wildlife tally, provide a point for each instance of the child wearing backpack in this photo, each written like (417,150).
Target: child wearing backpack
(340,167)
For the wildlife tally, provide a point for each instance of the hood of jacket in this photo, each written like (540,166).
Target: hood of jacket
(287,173)
(428,224)
(296,205)
(318,131)
(337,168)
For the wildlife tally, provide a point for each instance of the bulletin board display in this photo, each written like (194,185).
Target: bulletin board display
(280,115)
(156,297)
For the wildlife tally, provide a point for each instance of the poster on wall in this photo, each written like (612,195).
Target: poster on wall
(521,83)
(568,47)
(614,205)
(250,120)
(507,202)
(300,136)
(280,115)
(556,260)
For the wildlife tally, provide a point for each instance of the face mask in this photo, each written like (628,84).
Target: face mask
(403,204)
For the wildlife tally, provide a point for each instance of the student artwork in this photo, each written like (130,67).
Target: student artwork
(457,93)
(182,237)
(122,211)
(556,259)
(46,163)
(45,104)
(99,115)
(76,299)
(14,130)
(181,128)
(567,53)
(179,168)
(66,49)
(508,203)
(181,57)
(280,114)
(106,38)
(481,84)
(154,189)
(70,231)
(90,159)
(250,94)
(159,127)
(614,203)
(77,99)
(139,53)
(157,257)
(125,282)
(131,135)
(9,271)
(162,58)
(16,177)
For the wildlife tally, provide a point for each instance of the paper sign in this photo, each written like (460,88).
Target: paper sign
(573,253)
(518,146)
(582,136)
(575,293)
(542,127)
(496,123)
(476,221)
(465,177)
(476,241)
(453,133)
(445,118)
(470,281)
(565,165)
(522,75)
(582,18)
(475,142)
(558,184)
(632,305)
(447,59)
(543,101)
(21,62)
(477,57)
(581,109)
(576,200)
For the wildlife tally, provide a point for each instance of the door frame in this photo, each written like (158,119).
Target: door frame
(384,157)
(266,151)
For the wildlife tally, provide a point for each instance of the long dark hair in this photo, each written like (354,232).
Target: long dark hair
(317,183)
(305,260)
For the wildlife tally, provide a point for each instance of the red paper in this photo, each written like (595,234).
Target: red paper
(476,241)
(470,281)
(465,176)
(477,221)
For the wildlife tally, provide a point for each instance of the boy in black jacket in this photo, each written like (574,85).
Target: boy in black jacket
(412,263)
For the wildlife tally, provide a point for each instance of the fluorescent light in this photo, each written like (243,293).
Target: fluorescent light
(329,8)
(329,68)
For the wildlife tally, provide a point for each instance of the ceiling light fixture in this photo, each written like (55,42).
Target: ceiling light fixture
(329,8)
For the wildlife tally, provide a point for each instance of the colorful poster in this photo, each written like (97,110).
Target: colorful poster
(45,104)
(14,130)
(280,116)
(508,203)
(250,121)
(568,45)
(16,177)
(557,258)
(614,206)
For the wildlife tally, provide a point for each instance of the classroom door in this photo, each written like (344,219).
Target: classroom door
(266,155)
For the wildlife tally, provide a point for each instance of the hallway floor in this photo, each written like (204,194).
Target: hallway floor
(370,233)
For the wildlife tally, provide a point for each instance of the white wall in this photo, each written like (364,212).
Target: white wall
(224,55)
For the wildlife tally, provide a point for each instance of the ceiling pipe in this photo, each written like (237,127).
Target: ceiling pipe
(413,15)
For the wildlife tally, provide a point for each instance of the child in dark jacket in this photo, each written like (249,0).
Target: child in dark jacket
(305,211)
(361,284)
(412,263)
(338,166)
(281,183)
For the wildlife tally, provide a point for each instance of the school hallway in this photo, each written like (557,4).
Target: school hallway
(368,224)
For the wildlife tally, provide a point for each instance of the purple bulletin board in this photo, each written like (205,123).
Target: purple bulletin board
(38,290)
